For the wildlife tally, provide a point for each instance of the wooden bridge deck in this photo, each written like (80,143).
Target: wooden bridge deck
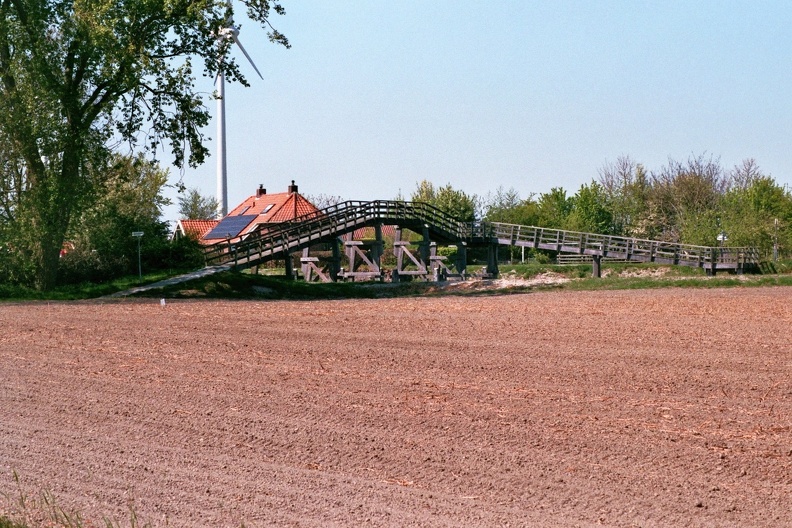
(277,241)
(629,249)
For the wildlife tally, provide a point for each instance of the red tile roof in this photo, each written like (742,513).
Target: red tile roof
(194,228)
(272,209)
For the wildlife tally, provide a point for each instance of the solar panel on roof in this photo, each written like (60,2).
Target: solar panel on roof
(230,226)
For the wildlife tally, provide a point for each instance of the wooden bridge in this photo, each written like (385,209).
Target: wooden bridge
(278,241)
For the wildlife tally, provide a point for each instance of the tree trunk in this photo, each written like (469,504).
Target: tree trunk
(47,260)
(53,200)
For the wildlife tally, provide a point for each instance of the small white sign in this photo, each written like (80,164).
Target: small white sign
(137,234)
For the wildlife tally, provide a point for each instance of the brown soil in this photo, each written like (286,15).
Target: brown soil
(627,408)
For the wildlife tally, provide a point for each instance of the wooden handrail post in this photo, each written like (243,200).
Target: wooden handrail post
(596,266)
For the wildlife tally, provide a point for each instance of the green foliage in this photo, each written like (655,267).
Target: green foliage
(184,253)
(626,186)
(758,213)
(541,257)
(506,206)
(554,208)
(15,266)
(685,198)
(101,245)
(461,206)
(194,206)
(590,211)
(75,76)
(690,202)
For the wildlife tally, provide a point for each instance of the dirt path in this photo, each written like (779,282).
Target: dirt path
(631,408)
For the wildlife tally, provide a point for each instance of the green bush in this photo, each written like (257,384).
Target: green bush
(84,265)
(185,253)
(542,257)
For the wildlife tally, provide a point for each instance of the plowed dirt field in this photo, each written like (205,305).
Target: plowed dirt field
(630,408)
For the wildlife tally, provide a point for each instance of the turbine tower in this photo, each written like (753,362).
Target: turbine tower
(228,32)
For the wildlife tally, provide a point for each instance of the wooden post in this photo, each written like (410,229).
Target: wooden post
(335,265)
(424,247)
(435,265)
(713,262)
(492,260)
(304,267)
(461,259)
(596,266)
(289,267)
(377,249)
(398,252)
(350,253)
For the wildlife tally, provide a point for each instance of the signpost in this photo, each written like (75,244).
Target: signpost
(139,235)
(775,241)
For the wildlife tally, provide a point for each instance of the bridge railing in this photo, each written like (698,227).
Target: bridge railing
(621,247)
(272,239)
(345,216)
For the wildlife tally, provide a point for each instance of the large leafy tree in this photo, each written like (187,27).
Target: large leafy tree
(756,210)
(195,206)
(460,205)
(627,187)
(685,198)
(554,208)
(101,244)
(77,75)
(591,211)
(506,206)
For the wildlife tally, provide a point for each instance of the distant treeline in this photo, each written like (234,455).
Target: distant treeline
(695,201)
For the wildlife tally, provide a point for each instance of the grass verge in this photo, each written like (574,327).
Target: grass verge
(236,285)
(73,292)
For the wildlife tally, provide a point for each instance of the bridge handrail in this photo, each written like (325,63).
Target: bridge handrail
(605,244)
(349,215)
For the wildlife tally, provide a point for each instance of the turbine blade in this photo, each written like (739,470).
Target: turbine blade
(233,35)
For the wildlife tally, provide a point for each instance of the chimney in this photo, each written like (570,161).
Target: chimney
(261,191)
(292,188)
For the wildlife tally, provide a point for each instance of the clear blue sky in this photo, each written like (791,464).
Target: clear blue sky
(376,95)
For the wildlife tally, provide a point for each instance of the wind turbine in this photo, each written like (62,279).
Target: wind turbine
(225,33)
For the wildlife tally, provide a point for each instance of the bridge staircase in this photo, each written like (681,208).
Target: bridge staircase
(278,240)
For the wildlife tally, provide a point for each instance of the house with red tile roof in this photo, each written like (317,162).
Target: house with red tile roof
(193,228)
(260,208)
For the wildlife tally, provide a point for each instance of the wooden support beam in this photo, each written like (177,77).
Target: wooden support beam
(492,260)
(289,266)
(357,257)
(335,264)
(424,246)
(304,268)
(403,250)
(311,271)
(461,259)
(398,252)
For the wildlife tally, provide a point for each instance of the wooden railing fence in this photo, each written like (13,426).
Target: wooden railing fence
(275,241)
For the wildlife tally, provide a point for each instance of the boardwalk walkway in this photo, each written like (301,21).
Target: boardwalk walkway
(277,241)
